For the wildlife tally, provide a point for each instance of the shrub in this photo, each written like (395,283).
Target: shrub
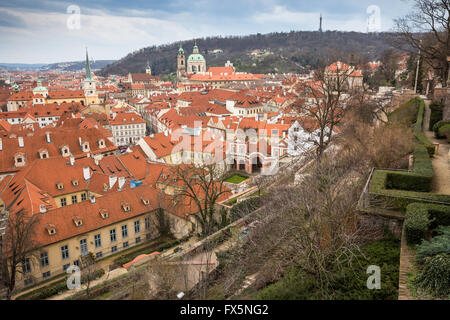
(349,280)
(438,245)
(444,131)
(435,276)
(422,216)
(437,126)
(436,114)
(416,223)
(245,207)
(45,292)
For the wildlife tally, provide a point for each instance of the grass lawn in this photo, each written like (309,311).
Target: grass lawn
(236,179)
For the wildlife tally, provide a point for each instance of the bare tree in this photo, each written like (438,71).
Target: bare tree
(325,99)
(202,185)
(426,29)
(16,246)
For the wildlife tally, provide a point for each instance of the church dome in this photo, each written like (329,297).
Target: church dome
(196,57)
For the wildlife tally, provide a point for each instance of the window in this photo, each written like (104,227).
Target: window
(99,254)
(26,267)
(46,275)
(124,231)
(66,266)
(65,252)
(83,247)
(74,199)
(125,244)
(63,202)
(83,197)
(138,239)
(112,235)
(76,263)
(114,249)
(147,223)
(137,226)
(44,259)
(98,240)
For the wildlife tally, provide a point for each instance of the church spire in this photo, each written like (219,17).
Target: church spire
(88,67)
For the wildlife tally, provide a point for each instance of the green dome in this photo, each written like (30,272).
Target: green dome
(39,87)
(181,50)
(196,57)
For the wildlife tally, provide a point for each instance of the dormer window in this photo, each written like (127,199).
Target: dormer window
(51,229)
(43,154)
(126,207)
(86,146)
(19,159)
(104,214)
(145,201)
(59,186)
(75,183)
(101,143)
(77,220)
(65,151)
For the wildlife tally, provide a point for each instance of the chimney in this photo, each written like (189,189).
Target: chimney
(49,140)
(112,181)
(92,197)
(20,139)
(43,208)
(79,141)
(96,161)
(72,160)
(86,173)
(1,144)
(166,134)
(122,182)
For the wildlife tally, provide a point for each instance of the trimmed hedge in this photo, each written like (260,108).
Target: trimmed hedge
(403,188)
(438,126)
(444,131)
(400,199)
(54,288)
(420,217)
(436,114)
(418,180)
(418,130)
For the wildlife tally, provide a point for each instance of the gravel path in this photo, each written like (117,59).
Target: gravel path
(441,165)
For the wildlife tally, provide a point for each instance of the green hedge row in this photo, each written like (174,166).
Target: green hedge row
(418,130)
(418,180)
(403,188)
(436,114)
(420,217)
(54,288)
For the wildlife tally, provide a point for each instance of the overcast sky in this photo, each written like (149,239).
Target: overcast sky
(42,31)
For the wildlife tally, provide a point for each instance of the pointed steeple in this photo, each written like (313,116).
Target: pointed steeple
(88,67)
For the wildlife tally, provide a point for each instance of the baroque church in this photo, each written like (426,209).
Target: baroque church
(196,62)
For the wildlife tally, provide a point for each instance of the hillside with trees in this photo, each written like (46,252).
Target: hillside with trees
(279,52)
